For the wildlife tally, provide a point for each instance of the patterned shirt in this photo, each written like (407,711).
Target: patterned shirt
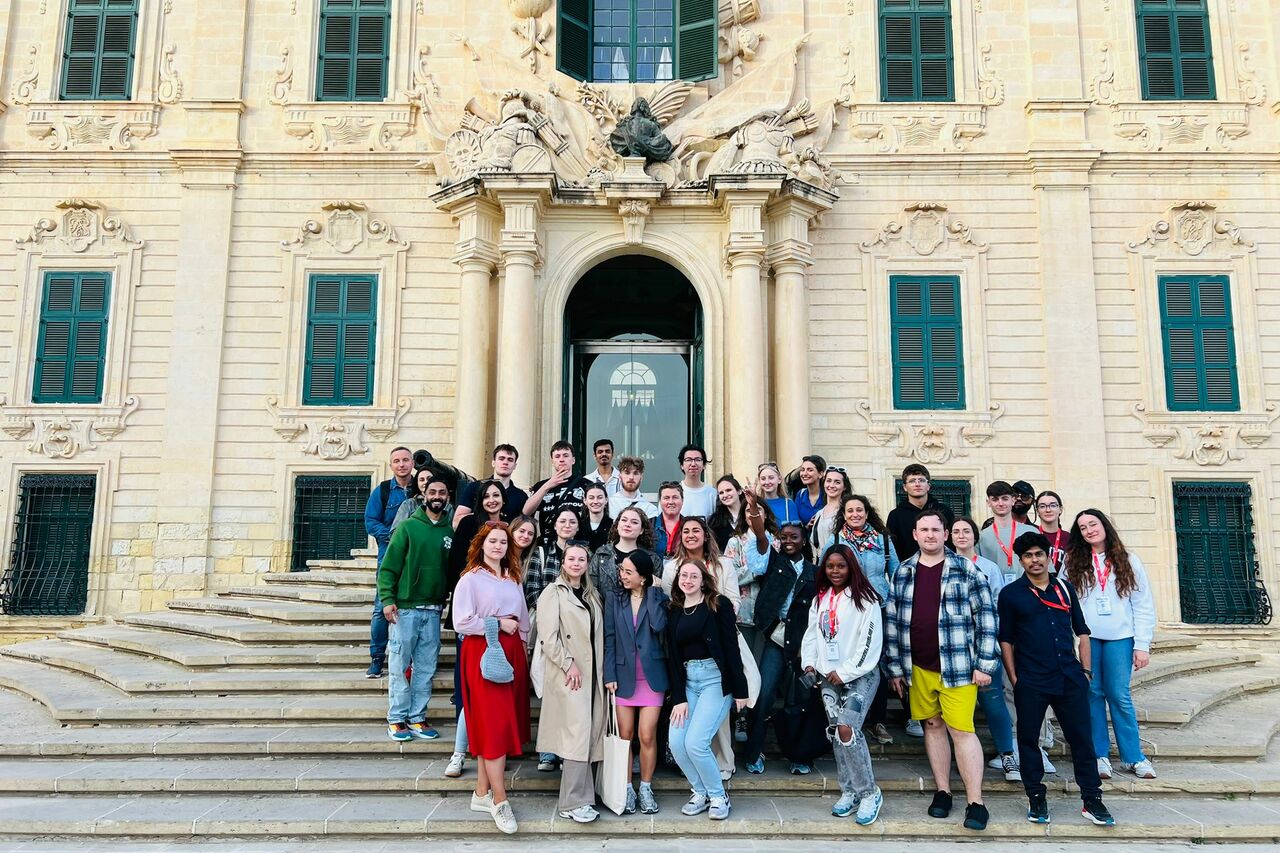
(966,622)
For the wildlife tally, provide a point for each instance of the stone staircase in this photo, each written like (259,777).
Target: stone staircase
(247,714)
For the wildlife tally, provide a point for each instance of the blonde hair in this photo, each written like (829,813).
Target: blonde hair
(588,585)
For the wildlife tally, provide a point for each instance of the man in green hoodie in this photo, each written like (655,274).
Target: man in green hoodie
(412,589)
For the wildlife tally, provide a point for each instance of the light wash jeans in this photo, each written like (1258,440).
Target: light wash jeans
(999,723)
(691,743)
(847,705)
(1112,670)
(415,639)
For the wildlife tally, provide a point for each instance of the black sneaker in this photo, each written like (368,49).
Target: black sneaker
(941,805)
(1037,809)
(976,816)
(1093,810)
(377,668)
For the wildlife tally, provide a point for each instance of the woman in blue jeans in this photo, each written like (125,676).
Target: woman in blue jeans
(1115,596)
(707,678)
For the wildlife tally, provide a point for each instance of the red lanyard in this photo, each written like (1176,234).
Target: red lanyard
(832,620)
(672,536)
(1008,549)
(1060,605)
(1102,569)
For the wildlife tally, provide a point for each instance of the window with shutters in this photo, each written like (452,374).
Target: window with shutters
(1218,581)
(341,327)
(1175,54)
(928,347)
(916,51)
(48,572)
(353,48)
(956,495)
(98,50)
(328,517)
(71,342)
(1199,343)
(638,41)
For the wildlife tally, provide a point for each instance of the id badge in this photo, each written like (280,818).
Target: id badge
(1104,606)
(833,651)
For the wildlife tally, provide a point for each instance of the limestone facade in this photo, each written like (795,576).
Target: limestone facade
(482,189)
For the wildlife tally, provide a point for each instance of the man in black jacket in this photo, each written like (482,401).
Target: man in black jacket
(916,482)
(781,614)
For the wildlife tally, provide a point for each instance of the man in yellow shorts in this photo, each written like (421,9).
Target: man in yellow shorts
(940,647)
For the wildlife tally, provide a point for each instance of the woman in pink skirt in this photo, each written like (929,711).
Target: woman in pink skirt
(635,666)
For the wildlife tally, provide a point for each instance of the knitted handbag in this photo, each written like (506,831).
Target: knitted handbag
(494,665)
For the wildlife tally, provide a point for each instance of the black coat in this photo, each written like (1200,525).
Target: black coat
(721,638)
(775,586)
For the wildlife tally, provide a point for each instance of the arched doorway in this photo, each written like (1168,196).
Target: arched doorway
(633,365)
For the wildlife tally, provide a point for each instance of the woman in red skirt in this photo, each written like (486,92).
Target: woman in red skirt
(490,590)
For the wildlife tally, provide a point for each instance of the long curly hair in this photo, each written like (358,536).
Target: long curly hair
(511,567)
(873,517)
(710,592)
(1079,560)
(646,537)
(710,550)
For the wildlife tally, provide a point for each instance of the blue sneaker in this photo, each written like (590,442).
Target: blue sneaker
(398,731)
(844,806)
(798,769)
(422,731)
(756,766)
(869,808)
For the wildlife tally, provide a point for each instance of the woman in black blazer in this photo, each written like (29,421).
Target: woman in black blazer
(635,665)
(707,678)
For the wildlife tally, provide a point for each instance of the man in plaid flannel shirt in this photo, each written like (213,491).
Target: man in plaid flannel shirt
(940,647)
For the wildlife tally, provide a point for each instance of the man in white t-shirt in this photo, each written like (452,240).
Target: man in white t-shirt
(699,498)
(605,473)
(630,476)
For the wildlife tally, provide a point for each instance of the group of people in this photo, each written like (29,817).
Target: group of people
(687,620)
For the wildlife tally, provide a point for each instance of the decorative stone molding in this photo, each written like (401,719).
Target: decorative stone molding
(533,35)
(1102,87)
(347,227)
(924,226)
(937,439)
(65,431)
(1185,125)
(339,435)
(350,126)
(737,42)
(81,225)
(114,125)
(893,128)
(1190,228)
(28,79)
(282,79)
(990,86)
(170,89)
(1209,439)
(634,213)
(1252,90)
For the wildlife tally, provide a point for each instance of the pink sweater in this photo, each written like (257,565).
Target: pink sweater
(481,593)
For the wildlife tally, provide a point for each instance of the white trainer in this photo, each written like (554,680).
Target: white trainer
(1142,769)
(1104,768)
(454,770)
(582,814)
(504,818)
(914,728)
(1048,765)
(482,804)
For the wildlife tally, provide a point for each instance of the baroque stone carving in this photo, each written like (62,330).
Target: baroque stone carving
(66,125)
(1252,90)
(901,127)
(1102,88)
(366,127)
(640,135)
(170,89)
(533,35)
(990,86)
(339,436)
(347,226)
(1212,442)
(924,226)
(63,436)
(1203,127)
(1192,227)
(738,43)
(935,441)
(81,224)
(634,213)
(282,80)
(24,85)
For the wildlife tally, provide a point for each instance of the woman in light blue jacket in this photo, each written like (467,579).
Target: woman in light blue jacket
(862,529)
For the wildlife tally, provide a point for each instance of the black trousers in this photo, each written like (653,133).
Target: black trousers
(1071,707)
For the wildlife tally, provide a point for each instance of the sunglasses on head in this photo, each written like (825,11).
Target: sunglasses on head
(837,468)
(764,465)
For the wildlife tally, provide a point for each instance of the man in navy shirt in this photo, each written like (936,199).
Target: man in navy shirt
(1040,619)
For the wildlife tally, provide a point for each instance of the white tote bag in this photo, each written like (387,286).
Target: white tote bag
(749,669)
(611,781)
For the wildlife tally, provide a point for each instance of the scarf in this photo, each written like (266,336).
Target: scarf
(866,539)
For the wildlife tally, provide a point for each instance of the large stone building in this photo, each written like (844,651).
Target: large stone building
(251,246)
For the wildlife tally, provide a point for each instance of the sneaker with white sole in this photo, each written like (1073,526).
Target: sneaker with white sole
(1009,765)
(582,814)
(1047,737)
(454,768)
(697,804)
(869,808)
(1142,769)
(1104,768)
(482,804)
(630,806)
(997,763)
(1048,765)
(845,806)
(718,808)
(1096,813)
(648,803)
(881,734)
(504,818)
(914,728)
(740,729)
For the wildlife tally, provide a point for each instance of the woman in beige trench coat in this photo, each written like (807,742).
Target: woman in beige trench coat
(570,627)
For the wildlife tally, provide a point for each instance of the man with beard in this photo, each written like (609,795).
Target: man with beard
(412,587)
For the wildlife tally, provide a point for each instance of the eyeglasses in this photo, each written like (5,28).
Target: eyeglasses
(696,459)
(1049,506)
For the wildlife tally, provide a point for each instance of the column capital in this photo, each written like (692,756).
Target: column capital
(478,219)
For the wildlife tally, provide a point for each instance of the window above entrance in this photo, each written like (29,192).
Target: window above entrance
(637,41)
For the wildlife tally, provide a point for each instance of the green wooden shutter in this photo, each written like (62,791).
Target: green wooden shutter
(1218,581)
(696,34)
(916,51)
(354,43)
(341,326)
(573,39)
(956,495)
(1199,344)
(98,52)
(928,343)
(1175,54)
(72,339)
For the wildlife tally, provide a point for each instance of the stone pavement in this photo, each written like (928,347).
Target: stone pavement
(577,845)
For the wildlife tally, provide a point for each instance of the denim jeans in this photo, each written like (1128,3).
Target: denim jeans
(460,743)
(691,743)
(379,632)
(1112,669)
(415,639)
(773,663)
(847,705)
(991,701)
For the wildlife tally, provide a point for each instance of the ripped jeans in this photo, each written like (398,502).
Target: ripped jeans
(847,705)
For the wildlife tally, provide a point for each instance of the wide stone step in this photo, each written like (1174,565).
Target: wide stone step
(411,815)
(288,612)
(361,564)
(195,651)
(1240,728)
(319,577)
(246,630)
(1177,701)
(318,594)
(1165,665)
(137,675)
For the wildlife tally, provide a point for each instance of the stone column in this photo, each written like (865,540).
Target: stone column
(476,257)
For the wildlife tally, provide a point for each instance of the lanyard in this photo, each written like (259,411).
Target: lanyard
(1057,537)
(1102,569)
(1060,605)
(672,535)
(831,624)
(1007,549)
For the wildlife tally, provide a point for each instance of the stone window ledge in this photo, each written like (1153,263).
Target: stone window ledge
(1181,125)
(351,126)
(115,125)
(894,127)
(336,432)
(930,436)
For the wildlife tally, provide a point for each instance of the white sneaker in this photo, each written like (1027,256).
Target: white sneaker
(697,804)
(504,818)
(719,808)
(1104,768)
(997,763)
(869,808)
(582,814)
(454,770)
(1047,737)
(1048,765)
(1009,765)
(1142,769)
(914,728)
(482,804)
